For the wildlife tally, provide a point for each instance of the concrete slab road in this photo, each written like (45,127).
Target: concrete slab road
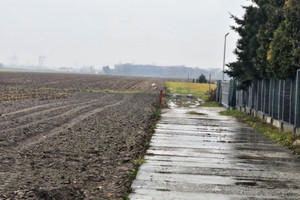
(208,156)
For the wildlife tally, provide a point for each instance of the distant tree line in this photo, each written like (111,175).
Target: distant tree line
(269,41)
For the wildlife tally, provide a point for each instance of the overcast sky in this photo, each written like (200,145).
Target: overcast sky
(107,32)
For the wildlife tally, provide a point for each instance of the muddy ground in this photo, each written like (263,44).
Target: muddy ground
(63,137)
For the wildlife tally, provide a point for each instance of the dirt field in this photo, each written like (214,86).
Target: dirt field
(71,136)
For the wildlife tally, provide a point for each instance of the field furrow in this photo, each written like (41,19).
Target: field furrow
(71,136)
(19,117)
(43,123)
(62,127)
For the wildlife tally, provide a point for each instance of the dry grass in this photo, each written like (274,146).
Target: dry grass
(189,88)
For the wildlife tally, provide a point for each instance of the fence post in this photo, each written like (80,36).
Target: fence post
(297,100)
(263,96)
(271,98)
(291,102)
(283,100)
(278,100)
(257,96)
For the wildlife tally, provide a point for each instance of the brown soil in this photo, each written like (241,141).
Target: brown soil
(71,144)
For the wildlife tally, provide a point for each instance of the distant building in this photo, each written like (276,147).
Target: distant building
(66,70)
(161,71)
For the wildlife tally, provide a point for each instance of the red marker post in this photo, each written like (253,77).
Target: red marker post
(160,97)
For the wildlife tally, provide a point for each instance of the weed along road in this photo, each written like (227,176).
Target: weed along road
(196,153)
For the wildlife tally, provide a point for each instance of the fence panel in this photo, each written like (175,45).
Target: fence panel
(225,93)
(271,97)
(219,92)
(293,101)
(240,98)
(286,100)
(279,99)
(266,95)
(232,94)
(276,98)
(297,100)
(258,96)
(250,97)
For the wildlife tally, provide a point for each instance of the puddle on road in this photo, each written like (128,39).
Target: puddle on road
(184,100)
(246,183)
(195,113)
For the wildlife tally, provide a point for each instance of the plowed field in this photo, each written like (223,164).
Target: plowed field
(71,136)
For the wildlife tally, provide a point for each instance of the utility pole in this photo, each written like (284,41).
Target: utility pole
(14,60)
(209,82)
(224,54)
(41,60)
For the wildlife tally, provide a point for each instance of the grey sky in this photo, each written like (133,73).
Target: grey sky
(106,32)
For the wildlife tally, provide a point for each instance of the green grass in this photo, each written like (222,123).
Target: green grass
(204,96)
(284,138)
(188,88)
(156,114)
(132,174)
(186,105)
(211,104)
(139,161)
(125,196)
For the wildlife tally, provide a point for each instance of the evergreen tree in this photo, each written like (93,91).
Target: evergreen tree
(243,69)
(284,51)
(202,79)
(273,13)
(269,44)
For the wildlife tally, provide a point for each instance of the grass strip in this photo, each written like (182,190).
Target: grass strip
(211,104)
(188,88)
(284,138)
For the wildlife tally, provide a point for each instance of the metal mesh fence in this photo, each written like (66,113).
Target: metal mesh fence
(225,93)
(297,101)
(286,104)
(279,99)
(219,91)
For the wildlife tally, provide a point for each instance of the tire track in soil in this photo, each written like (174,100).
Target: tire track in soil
(15,171)
(36,122)
(84,108)
(26,117)
(129,86)
(138,86)
(29,109)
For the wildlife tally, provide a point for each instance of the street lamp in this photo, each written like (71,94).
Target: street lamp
(224,54)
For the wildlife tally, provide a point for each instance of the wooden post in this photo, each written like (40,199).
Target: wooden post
(209,82)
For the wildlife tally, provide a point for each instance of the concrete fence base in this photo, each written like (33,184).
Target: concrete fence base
(270,120)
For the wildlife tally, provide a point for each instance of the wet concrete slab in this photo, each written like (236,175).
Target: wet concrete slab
(209,156)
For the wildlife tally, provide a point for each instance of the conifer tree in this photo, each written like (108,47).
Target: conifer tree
(284,50)
(273,13)
(269,44)
(243,69)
